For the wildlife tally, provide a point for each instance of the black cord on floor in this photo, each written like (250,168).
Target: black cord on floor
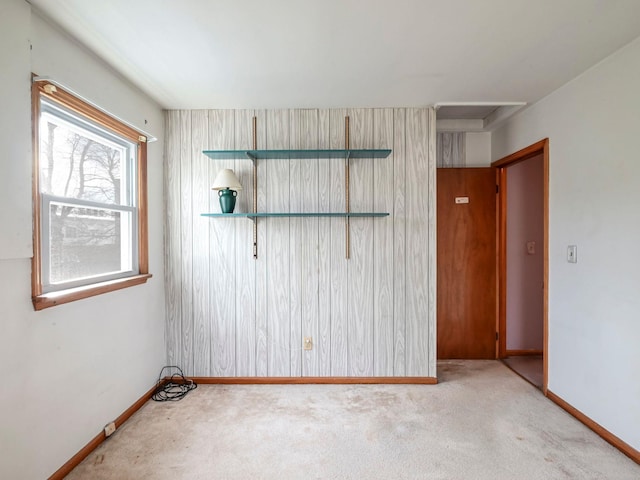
(175,389)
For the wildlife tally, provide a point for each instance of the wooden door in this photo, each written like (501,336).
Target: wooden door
(466,262)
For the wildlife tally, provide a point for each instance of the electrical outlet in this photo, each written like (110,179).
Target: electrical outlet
(307,343)
(109,428)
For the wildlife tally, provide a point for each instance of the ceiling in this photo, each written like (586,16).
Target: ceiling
(192,54)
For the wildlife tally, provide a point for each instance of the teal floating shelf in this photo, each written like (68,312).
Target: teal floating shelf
(295,214)
(293,154)
(313,154)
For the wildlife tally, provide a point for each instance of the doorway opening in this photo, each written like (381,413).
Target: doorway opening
(523,240)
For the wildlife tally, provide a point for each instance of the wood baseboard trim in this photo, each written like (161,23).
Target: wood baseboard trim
(515,353)
(74,461)
(620,444)
(313,380)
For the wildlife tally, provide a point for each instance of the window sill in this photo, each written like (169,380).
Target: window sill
(52,299)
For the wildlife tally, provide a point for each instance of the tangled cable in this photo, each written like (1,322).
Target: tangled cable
(175,388)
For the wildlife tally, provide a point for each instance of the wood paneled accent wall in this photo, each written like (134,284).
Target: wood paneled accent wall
(230,315)
(451,151)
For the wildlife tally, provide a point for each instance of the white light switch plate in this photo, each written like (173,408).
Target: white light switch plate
(572,254)
(531,248)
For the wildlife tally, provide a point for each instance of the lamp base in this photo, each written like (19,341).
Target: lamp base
(227,200)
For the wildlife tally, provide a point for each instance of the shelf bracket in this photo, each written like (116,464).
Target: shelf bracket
(347,238)
(255,186)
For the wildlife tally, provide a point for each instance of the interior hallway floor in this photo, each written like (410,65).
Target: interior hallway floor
(528,367)
(480,422)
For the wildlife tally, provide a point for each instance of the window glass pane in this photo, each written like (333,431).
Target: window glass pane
(77,163)
(85,242)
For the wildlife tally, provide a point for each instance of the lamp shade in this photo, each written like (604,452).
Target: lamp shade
(226,180)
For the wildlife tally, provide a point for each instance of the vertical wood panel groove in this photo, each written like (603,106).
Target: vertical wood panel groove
(432,248)
(383,248)
(399,242)
(261,310)
(186,239)
(296,242)
(417,214)
(360,268)
(222,257)
(339,273)
(324,248)
(278,284)
(172,238)
(201,186)
(245,290)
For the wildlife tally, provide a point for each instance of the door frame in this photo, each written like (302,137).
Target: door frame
(501,165)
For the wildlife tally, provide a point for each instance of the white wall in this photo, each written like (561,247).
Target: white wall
(70,369)
(15,132)
(478,149)
(594,307)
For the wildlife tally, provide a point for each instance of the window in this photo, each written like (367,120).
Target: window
(90,226)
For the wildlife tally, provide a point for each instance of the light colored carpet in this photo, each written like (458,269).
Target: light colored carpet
(481,422)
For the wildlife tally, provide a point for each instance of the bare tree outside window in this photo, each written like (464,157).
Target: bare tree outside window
(79,165)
